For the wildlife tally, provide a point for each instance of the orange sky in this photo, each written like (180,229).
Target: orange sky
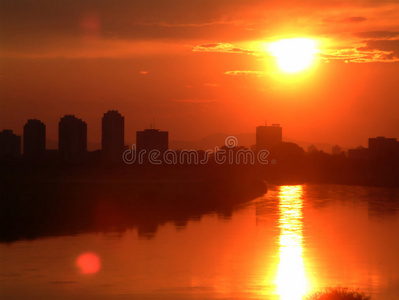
(200,67)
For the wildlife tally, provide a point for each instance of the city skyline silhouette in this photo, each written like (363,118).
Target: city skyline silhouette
(110,136)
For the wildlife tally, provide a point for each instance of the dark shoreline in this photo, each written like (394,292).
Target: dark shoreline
(71,202)
(50,200)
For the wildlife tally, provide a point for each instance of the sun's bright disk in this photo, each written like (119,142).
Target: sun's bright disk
(294,55)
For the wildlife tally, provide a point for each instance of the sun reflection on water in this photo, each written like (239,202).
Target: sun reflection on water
(291,280)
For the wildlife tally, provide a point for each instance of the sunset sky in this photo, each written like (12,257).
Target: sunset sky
(202,67)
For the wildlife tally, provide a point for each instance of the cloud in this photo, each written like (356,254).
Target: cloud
(344,20)
(194,100)
(214,45)
(221,47)
(377,34)
(370,51)
(95,49)
(166,24)
(26,27)
(383,45)
(353,19)
(387,49)
(246,73)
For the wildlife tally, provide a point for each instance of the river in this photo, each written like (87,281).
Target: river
(293,240)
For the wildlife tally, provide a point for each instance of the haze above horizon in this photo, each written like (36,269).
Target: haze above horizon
(202,67)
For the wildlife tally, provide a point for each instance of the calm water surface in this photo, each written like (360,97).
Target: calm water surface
(293,240)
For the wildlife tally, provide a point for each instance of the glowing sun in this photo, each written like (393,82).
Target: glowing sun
(294,55)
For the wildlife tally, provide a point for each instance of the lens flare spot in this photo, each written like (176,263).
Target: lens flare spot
(88,263)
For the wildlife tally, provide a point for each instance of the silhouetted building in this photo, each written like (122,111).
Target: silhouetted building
(358,154)
(383,148)
(34,139)
(52,156)
(113,135)
(268,136)
(312,149)
(152,139)
(10,144)
(72,139)
(94,157)
(336,150)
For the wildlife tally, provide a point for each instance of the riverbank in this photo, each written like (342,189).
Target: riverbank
(69,201)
